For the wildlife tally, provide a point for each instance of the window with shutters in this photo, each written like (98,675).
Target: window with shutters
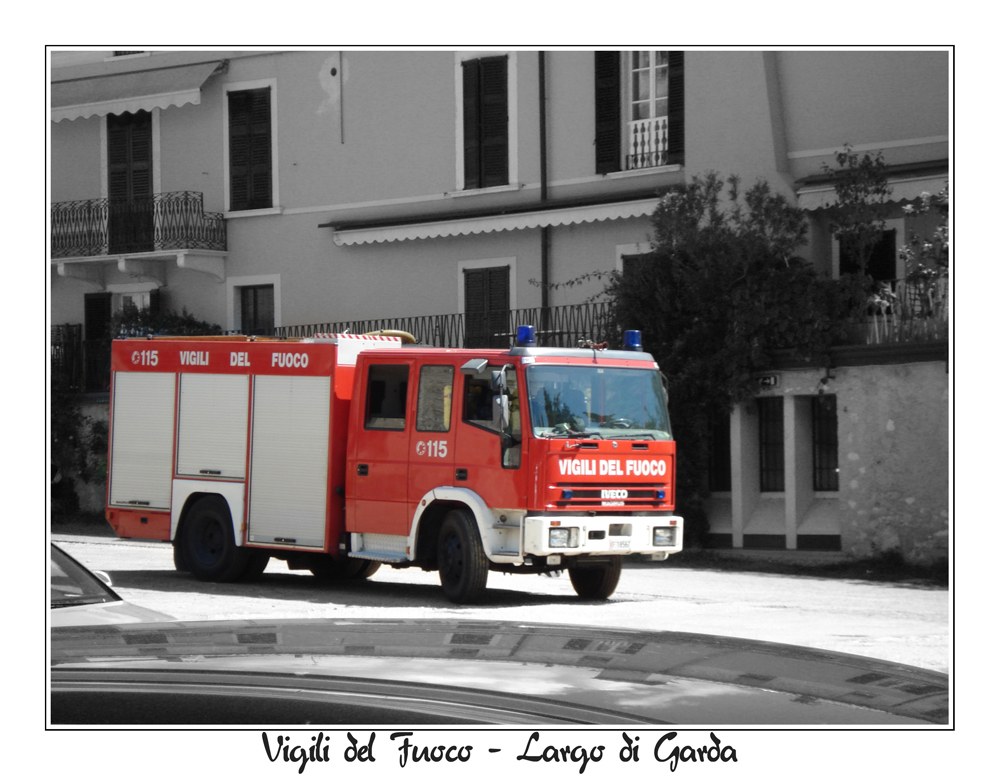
(130,182)
(487,307)
(639,102)
(257,309)
(485,122)
(249,135)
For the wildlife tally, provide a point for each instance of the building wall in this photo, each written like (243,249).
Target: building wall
(893,439)
(888,99)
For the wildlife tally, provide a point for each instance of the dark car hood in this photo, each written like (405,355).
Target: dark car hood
(449,672)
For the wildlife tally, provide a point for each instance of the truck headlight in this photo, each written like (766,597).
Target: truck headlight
(665,537)
(564,537)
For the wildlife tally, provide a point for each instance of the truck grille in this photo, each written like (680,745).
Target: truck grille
(596,495)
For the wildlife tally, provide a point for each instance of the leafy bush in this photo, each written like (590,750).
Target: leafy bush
(720,295)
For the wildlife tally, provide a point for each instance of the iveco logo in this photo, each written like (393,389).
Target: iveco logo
(614,494)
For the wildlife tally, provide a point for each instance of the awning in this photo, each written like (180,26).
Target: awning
(116,93)
(902,190)
(495,223)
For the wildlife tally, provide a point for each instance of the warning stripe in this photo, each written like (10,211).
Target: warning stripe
(367,337)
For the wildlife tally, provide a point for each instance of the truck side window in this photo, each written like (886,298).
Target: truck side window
(434,397)
(386,396)
(478,410)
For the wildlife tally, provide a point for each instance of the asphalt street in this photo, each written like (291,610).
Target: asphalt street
(903,623)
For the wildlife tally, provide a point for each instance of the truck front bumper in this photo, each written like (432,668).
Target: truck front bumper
(555,534)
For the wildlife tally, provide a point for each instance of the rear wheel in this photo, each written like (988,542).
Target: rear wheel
(207,544)
(462,564)
(255,565)
(596,582)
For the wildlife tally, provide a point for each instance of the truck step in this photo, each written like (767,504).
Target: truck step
(381,556)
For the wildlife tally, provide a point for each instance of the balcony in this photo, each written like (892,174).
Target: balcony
(174,221)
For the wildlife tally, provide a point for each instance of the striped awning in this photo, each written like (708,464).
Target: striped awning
(495,223)
(116,93)
(817,197)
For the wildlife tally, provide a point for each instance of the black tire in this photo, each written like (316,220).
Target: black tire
(180,563)
(255,565)
(462,564)
(207,543)
(365,569)
(597,582)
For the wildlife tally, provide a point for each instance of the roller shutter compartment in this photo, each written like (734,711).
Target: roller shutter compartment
(289,460)
(212,426)
(142,441)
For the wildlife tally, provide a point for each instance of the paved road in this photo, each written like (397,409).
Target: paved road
(905,624)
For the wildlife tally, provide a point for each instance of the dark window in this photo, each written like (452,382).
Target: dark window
(652,132)
(130,182)
(386,399)
(250,149)
(719,463)
(487,307)
(124,53)
(771,416)
(257,309)
(434,398)
(881,264)
(826,471)
(484,122)
(96,316)
(607,103)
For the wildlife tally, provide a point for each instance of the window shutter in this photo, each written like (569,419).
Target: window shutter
(493,100)
(484,122)
(130,156)
(250,149)
(675,107)
(470,121)
(607,119)
(487,304)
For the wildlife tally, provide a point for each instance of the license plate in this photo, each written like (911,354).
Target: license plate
(620,544)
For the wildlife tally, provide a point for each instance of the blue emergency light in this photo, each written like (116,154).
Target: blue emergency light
(525,336)
(633,340)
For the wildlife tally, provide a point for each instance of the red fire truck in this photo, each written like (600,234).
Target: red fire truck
(338,453)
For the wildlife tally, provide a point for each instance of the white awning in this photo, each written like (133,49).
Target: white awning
(497,223)
(902,190)
(117,93)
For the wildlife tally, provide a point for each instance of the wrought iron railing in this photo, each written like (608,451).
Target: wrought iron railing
(562,326)
(171,221)
(78,364)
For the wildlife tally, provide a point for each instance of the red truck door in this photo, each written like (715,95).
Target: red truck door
(379,470)
(484,462)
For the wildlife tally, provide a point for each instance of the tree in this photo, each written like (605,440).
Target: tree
(862,187)
(722,292)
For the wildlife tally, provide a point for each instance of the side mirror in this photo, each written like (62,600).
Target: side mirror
(501,412)
(498,377)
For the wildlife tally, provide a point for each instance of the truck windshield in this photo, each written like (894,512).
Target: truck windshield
(590,401)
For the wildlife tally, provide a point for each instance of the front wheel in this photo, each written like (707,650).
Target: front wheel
(208,548)
(597,582)
(462,564)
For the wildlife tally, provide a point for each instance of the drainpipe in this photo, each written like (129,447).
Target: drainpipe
(543,143)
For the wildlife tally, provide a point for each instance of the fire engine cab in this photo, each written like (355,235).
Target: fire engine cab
(342,452)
